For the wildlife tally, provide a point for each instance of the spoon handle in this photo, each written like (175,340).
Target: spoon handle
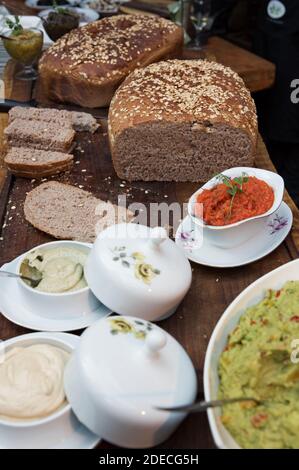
(19,276)
(204,405)
(6,273)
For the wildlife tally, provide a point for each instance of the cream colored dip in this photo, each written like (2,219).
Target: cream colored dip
(62,269)
(31,381)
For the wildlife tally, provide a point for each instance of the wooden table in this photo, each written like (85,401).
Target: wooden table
(212,289)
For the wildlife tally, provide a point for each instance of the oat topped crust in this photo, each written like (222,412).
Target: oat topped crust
(183,90)
(104,49)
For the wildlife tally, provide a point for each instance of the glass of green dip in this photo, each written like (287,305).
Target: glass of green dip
(25,47)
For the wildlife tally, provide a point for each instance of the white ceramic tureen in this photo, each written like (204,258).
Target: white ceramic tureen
(138,271)
(122,369)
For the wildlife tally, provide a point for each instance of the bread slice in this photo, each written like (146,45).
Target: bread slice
(33,163)
(40,135)
(79,121)
(41,114)
(70,213)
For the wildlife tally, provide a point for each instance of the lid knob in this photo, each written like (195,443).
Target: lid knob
(155,341)
(158,236)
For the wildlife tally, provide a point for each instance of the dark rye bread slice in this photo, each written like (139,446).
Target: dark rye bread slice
(44,174)
(70,213)
(40,135)
(79,121)
(33,163)
(61,117)
(181,120)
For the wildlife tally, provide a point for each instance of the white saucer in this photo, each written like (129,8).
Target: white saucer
(87,15)
(76,436)
(11,306)
(202,252)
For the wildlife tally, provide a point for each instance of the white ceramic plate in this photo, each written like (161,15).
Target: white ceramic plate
(87,15)
(76,436)
(202,252)
(101,8)
(11,306)
(249,297)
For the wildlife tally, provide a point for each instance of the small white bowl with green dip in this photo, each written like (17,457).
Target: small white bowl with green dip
(62,289)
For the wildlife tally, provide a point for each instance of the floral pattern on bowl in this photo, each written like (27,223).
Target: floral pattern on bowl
(138,328)
(143,271)
(277,223)
(188,239)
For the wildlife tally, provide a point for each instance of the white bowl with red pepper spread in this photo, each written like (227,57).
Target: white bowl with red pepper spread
(234,206)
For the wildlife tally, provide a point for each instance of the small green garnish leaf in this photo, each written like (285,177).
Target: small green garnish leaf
(14,25)
(60,10)
(234,186)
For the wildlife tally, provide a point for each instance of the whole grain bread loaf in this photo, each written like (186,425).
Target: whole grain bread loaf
(70,213)
(181,120)
(87,65)
(33,163)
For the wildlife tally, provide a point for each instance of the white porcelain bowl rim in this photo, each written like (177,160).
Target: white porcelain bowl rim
(231,172)
(222,322)
(51,294)
(90,13)
(38,338)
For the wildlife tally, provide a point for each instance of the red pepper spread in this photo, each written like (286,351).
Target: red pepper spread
(218,208)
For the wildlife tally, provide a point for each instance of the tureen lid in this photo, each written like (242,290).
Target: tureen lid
(137,270)
(123,368)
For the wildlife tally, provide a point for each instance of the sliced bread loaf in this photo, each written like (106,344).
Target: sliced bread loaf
(181,120)
(40,135)
(70,213)
(79,121)
(33,163)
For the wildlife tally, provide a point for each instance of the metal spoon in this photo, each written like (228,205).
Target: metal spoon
(204,405)
(33,282)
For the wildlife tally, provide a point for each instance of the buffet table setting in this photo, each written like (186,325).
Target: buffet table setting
(148,314)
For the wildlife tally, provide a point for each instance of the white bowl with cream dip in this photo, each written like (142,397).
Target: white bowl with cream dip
(38,417)
(63,289)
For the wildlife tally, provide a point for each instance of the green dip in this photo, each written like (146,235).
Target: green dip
(62,269)
(257,363)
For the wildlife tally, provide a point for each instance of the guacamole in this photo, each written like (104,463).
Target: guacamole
(257,363)
(61,269)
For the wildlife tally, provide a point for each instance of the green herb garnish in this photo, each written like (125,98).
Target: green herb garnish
(14,25)
(234,186)
(61,10)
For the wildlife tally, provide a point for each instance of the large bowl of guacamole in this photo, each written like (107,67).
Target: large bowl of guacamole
(254,352)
